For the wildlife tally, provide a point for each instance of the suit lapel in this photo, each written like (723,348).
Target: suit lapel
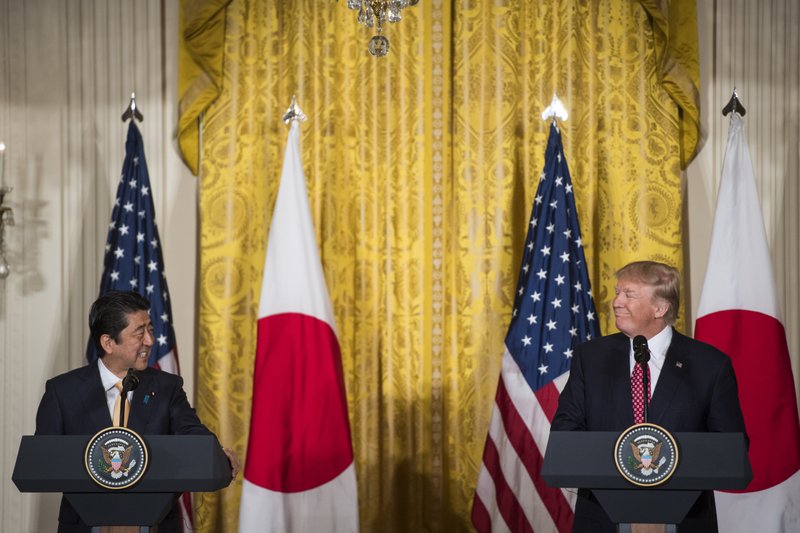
(671,377)
(621,385)
(93,398)
(140,404)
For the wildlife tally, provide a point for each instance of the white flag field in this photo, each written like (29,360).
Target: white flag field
(739,314)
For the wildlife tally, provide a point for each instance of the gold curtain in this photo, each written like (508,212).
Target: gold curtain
(421,170)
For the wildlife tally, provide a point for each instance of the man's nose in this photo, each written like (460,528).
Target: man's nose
(149,339)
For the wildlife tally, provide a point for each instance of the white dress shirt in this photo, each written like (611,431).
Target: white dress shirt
(110,380)
(658,346)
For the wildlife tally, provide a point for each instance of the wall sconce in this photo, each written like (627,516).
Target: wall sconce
(6,214)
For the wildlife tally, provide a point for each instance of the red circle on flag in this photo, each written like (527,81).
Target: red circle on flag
(299,430)
(756,344)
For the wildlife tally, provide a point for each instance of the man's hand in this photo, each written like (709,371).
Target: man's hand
(234,460)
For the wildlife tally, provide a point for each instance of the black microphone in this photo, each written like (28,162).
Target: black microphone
(129,383)
(641,353)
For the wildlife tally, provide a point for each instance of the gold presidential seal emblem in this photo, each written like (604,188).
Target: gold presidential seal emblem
(116,458)
(646,455)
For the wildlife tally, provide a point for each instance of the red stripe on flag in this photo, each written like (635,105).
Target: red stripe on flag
(507,501)
(530,455)
(299,430)
(480,516)
(756,344)
(185,502)
(548,400)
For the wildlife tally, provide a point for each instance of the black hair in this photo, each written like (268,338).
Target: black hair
(109,314)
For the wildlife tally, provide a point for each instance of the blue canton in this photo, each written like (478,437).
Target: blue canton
(133,259)
(553,307)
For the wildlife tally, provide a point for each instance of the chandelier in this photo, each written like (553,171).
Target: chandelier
(376,13)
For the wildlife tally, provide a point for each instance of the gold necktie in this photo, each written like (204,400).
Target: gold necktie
(118,385)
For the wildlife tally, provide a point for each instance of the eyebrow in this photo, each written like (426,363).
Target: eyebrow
(626,291)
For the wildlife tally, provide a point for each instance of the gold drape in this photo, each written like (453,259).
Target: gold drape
(421,169)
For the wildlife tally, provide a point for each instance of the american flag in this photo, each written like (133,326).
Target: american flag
(553,313)
(133,259)
(133,262)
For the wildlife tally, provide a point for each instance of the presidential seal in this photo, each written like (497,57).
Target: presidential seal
(116,458)
(646,455)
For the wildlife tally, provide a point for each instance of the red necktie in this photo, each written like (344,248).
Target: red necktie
(636,392)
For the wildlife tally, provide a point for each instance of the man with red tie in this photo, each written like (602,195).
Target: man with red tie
(692,384)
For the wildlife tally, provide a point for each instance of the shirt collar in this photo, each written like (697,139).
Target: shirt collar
(106,376)
(659,345)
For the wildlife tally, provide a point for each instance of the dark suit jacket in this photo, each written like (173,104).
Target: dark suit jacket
(75,403)
(696,391)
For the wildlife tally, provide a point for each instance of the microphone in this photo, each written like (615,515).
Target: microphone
(129,383)
(641,353)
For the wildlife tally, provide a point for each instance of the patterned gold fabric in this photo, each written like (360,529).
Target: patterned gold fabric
(421,171)
(200,55)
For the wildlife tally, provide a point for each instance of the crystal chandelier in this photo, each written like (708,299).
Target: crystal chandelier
(377,12)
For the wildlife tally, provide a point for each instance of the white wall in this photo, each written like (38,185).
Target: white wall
(67,68)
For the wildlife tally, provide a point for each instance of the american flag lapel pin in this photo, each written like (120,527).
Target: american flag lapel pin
(679,364)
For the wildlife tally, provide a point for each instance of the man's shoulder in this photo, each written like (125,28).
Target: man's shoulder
(90,370)
(698,349)
(160,376)
(605,343)
(76,374)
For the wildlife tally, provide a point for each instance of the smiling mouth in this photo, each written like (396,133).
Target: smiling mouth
(144,355)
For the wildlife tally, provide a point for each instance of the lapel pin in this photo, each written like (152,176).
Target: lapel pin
(149,395)
(679,364)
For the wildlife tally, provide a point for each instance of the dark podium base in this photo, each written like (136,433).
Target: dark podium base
(139,509)
(640,506)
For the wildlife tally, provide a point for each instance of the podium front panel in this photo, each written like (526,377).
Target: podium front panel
(178,463)
(707,461)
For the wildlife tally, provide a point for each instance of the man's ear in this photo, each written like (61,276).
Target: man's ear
(107,343)
(661,309)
